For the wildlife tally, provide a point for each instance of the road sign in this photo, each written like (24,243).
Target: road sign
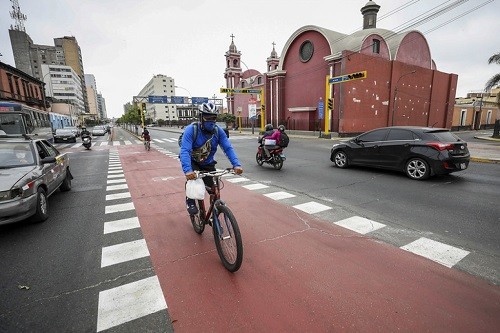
(240,91)
(158,99)
(252,110)
(348,77)
(199,100)
(321,109)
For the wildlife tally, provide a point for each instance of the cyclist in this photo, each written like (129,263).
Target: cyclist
(145,135)
(199,155)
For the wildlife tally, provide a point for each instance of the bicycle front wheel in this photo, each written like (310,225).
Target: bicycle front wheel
(197,220)
(227,238)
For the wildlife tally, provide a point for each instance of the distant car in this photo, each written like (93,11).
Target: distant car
(99,130)
(64,135)
(75,130)
(420,152)
(32,170)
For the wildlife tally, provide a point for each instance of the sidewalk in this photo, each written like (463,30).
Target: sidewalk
(480,152)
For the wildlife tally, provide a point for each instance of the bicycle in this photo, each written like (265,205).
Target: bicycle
(225,228)
(147,144)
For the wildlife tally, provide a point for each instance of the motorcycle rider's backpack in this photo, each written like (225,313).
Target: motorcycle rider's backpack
(284,140)
(195,133)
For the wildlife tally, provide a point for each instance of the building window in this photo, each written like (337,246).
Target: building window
(243,84)
(235,62)
(259,80)
(306,51)
(376,46)
(488,117)
(463,117)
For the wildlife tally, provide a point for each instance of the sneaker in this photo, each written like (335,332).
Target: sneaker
(191,207)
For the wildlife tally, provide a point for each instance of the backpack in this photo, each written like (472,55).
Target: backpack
(284,140)
(195,136)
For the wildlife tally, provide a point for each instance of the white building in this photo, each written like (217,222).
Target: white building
(160,85)
(63,84)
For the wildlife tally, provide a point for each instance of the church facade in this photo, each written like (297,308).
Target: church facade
(401,84)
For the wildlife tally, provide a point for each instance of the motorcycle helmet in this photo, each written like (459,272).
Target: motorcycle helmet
(268,127)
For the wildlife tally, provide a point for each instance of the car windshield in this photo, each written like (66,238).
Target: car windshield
(16,154)
(63,131)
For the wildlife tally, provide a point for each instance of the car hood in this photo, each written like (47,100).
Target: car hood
(8,177)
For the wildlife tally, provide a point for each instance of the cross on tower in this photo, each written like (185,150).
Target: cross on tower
(232,37)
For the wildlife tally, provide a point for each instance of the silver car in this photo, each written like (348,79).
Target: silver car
(31,171)
(64,135)
(99,130)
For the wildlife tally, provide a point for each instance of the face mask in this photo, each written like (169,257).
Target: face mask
(209,125)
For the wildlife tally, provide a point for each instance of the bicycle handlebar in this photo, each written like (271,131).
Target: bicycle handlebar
(216,173)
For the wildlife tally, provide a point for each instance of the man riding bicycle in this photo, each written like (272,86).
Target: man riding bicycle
(198,148)
(145,135)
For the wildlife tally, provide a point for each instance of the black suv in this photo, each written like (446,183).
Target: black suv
(418,151)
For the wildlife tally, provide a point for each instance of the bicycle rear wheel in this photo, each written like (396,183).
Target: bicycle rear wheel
(196,221)
(228,242)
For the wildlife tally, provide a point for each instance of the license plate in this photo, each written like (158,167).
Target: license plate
(64,139)
(463,166)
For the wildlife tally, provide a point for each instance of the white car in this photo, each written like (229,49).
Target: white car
(99,130)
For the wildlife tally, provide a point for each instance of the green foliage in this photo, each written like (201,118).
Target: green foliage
(131,116)
(226,118)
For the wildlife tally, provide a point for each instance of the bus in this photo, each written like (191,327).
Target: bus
(16,118)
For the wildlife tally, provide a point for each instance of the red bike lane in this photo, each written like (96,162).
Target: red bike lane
(299,273)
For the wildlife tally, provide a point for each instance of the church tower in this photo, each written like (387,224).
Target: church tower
(232,73)
(273,61)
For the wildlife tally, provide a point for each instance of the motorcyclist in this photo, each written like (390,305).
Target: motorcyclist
(270,134)
(84,133)
(197,153)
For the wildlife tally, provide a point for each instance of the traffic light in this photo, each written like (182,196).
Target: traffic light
(143,106)
(330,104)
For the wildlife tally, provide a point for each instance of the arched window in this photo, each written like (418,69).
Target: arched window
(235,62)
(243,84)
(259,80)
(376,46)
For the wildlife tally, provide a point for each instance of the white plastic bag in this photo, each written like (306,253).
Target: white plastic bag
(269,142)
(195,189)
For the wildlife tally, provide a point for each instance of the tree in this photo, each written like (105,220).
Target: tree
(496,78)
(227,118)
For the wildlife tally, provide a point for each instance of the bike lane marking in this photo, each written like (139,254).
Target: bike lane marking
(121,305)
(299,273)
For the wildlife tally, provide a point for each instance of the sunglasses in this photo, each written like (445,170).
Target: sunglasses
(210,118)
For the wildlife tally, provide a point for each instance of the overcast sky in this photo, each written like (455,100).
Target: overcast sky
(125,42)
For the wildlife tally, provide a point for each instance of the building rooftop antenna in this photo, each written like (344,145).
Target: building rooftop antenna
(18,17)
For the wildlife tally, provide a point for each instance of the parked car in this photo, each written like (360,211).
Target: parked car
(32,170)
(64,135)
(99,130)
(420,152)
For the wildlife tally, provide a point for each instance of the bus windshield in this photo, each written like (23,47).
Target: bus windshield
(16,119)
(11,123)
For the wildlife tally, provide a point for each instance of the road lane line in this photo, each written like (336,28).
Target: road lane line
(116,181)
(279,195)
(116,254)
(116,196)
(237,179)
(360,224)
(441,253)
(117,187)
(253,187)
(312,207)
(128,302)
(120,225)
(119,208)
(119,175)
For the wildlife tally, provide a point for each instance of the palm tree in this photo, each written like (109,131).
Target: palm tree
(496,78)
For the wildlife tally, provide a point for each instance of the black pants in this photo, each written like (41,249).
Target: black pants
(209,181)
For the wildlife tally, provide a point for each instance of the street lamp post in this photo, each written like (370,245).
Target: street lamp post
(396,94)
(190,100)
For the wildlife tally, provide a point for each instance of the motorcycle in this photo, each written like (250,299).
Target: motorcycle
(276,158)
(87,142)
